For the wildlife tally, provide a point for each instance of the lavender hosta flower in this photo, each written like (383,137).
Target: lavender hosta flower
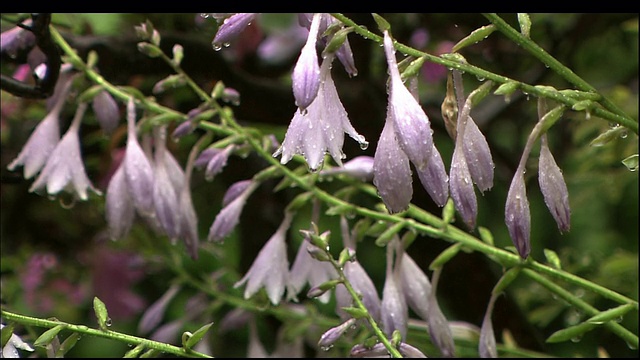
(321,129)
(188,222)
(16,39)
(306,73)
(461,187)
(391,170)
(487,342)
(64,169)
(363,285)
(434,178)
(410,351)
(10,349)
(411,124)
(415,286)
(553,188)
(516,214)
(165,195)
(231,27)
(478,156)
(380,351)
(154,313)
(44,138)
(255,350)
(332,335)
(439,329)
(393,307)
(270,269)
(233,203)
(306,269)
(280,46)
(137,167)
(360,167)
(107,111)
(119,207)
(217,162)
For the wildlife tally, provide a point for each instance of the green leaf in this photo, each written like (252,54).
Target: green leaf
(356,313)
(611,314)
(552,258)
(485,235)
(577,331)
(413,69)
(448,212)
(135,352)
(6,332)
(475,37)
(525,24)
(582,105)
(507,88)
(67,344)
(388,234)
(631,162)
(101,313)
(197,336)
(377,228)
(445,256)
(383,24)
(90,93)
(611,134)
(506,279)
(48,336)
(299,201)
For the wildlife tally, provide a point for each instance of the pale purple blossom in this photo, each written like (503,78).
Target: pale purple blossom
(233,202)
(152,317)
(217,161)
(44,138)
(360,167)
(306,72)
(477,155)
(10,349)
(434,178)
(231,27)
(107,111)
(119,208)
(415,286)
(165,193)
(332,335)
(16,39)
(270,269)
(393,307)
(516,214)
(64,169)
(439,329)
(321,128)
(461,187)
(306,269)
(487,342)
(553,188)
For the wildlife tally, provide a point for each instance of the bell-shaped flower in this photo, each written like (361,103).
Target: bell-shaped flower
(214,160)
(107,111)
(360,167)
(306,269)
(306,73)
(137,168)
(391,170)
(439,329)
(270,269)
(411,124)
(44,138)
(165,195)
(231,27)
(461,187)
(154,313)
(10,349)
(393,307)
(434,178)
(321,128)
(64,169)
(233,202)
(516,214)
(415,286)
(554,189)
(119,207)
(478,156)
(487,342)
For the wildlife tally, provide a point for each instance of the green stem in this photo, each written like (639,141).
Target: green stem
(550,61)
(108,334)
(580,304)
(611,116)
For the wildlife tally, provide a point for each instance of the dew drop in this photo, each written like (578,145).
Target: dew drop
(226,44)
(576,339)
(624,134)
(326,348)
(204,15)
(108,322)
(217,47)
(364,145)
(631,346)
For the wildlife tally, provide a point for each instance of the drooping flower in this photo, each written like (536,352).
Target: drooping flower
(516,213)
(321,128)
(306,73)
(439,329)
(477,155)
(231,27)
(415,286)
(270,269)
(119,207)
(360,167)
(434,178)
(106,110)
(44,138)
(233,202)
(393,307)
(214,160)
(487,342)
(306,269)
(165,195)
(10,349)
(554,189)
(64,169)
(152,317)
(461,187)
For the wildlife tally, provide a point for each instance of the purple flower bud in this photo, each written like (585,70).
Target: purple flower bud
(478,156)
(391,170)
(487,342)
(439,329)
(411,124)
(218,162)
(44,138)
(107,111)
(188,222)
(393,307)
(138,170)
(165,197)
(332,335)
(461,187)
(363,285)
(231,27)
(345,55)
(410,351)
(185,128)
(64,169)
(306,73)
(270,269)
(415,286)
(554,189)
(119,208)
(376,351)
(360,167)
(434,178)
(516,214)
(233,203)
(154,314)
(205,156)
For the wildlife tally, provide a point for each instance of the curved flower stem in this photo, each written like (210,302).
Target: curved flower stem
(549,60)
(107,334)
(611,116)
